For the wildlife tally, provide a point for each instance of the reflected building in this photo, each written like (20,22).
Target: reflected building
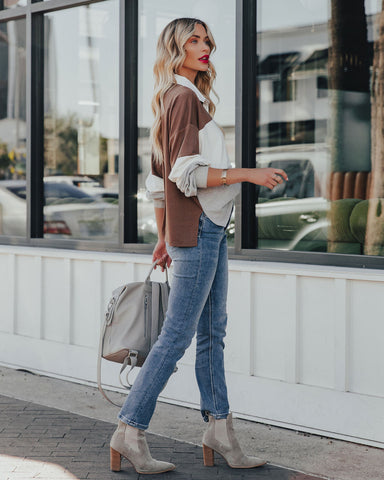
(293,71)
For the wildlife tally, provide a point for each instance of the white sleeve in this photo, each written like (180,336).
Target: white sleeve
(155,190)
(201,177)
(184,174)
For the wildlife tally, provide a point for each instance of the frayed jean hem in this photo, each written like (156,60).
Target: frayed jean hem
(218,416)
(132,423)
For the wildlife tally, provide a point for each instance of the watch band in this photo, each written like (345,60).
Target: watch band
(224,177)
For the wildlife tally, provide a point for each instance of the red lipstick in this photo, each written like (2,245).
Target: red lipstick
(204,59)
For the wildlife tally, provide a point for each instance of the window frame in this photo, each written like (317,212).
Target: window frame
(245,247)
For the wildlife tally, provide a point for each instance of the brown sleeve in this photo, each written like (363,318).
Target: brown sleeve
(184,127)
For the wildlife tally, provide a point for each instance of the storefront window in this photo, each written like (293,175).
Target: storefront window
(319,105)
(13,207)
(14,3)
(81,122)
(220,15)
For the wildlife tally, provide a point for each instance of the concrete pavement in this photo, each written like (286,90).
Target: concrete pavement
(78,408)
(43,442)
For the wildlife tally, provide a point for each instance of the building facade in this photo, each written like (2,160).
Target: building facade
(299,88)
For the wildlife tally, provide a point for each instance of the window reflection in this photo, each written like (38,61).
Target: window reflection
(153,17)
(14,3)
(13,209)
(81,122)
(319,98)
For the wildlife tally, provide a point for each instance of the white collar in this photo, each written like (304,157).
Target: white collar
(180,80)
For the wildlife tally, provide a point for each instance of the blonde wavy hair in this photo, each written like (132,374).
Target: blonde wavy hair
(170,57)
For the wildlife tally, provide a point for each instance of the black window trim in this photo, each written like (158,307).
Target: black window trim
(246,118)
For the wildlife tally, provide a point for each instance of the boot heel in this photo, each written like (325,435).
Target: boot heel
(209,456)
(115,459)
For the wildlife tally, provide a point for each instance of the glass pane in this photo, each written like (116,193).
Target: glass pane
(81,122)
(13,208)
(153,17)
(14,3)
(319,100)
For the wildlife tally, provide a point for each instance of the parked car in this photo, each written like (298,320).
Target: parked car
(69,212)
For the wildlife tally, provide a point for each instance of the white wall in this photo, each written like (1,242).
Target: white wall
(303,349)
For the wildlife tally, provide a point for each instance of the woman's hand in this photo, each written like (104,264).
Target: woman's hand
(161,255)
(267,177)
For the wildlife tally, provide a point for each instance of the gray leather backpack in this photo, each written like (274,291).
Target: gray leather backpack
(133,321)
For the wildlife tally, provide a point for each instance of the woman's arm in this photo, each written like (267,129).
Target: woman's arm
(160,251)
(267,177)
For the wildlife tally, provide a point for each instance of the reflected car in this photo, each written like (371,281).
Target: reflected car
(69,212)
(87,184)
(294,215)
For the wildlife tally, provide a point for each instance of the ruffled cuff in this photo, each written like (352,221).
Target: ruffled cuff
(201,177)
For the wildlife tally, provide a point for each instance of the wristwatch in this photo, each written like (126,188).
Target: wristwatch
(224,177)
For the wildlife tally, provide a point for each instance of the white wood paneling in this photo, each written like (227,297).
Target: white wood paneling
(115,274)
(316,332)
(321,410)
(85,315)
(366,354)
(28,294)
(303,346)
(56,300)
(7,292)
(269,340)
(238,346)
(341,320)
(291,330)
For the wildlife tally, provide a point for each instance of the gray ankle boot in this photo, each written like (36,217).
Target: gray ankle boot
(220,438)
(131,443)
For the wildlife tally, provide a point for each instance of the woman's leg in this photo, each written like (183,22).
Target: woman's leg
(209,365)
(194,270)
(219,436)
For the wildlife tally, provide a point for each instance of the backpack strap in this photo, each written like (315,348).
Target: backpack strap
(164,288)
(99,358)
(155,313)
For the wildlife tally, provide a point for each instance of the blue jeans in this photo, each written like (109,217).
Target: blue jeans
(197,304)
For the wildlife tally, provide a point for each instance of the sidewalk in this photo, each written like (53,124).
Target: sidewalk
(42,442)
(71,441)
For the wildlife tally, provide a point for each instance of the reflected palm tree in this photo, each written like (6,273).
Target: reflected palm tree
(374,240)
(349,81)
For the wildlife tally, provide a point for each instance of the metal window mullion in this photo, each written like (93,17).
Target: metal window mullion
(128,170)
(35,125)
(238,115)
(248,121)
(52,5)
(12,14)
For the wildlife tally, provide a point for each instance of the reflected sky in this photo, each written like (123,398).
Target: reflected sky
(91,50)
(220,15)
(294,13)
(153,16)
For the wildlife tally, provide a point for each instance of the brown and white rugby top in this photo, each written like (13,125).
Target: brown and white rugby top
(191,142)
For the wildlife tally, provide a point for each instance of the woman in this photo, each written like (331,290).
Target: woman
(193,188)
